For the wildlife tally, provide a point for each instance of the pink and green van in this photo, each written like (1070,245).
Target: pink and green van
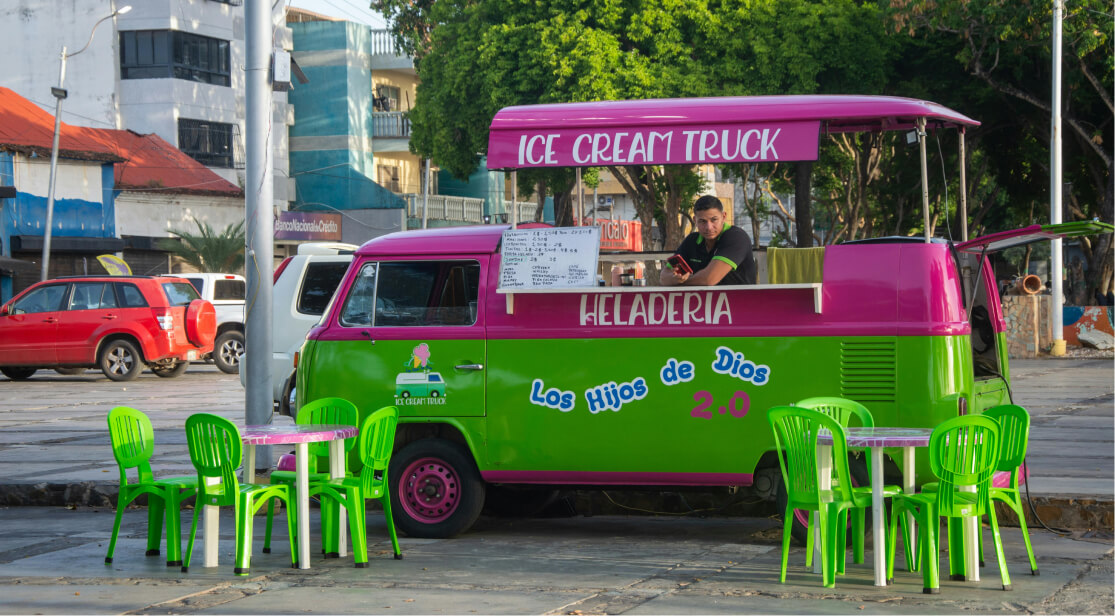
(646,386)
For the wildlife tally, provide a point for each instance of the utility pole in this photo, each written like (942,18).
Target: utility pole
(260,220)
(1055,180)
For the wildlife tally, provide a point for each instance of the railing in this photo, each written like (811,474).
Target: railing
(390,124)
(383,43)
(444,207)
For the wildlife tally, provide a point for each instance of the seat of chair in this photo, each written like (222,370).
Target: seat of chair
(184,482)
(290,476)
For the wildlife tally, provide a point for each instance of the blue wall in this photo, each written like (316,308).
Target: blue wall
(335,106)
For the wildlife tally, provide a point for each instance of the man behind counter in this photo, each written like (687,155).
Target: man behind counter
(718,252)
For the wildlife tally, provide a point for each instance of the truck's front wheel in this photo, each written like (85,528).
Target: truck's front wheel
(437,490)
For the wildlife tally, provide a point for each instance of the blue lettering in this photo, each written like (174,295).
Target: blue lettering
(723,362)
(626,392)
(535,389)
(553,397)
(641,386)
(567,401)
(595,399)
(735,364)
(675,372)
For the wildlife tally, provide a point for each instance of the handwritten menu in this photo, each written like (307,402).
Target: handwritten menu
(549,258)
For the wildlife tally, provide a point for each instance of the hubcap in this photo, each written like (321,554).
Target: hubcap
(231,352)
(429,490)
(120,361)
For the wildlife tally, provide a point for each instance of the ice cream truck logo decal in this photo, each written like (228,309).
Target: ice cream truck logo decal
(612,396)
(418,384)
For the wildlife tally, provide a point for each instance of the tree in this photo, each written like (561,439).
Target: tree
(1007,46)
(208,251)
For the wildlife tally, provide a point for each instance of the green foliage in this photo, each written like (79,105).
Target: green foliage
(208,251)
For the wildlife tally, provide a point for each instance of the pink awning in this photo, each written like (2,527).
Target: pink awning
(695,130)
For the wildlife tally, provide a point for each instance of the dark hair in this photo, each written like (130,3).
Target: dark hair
(708,202)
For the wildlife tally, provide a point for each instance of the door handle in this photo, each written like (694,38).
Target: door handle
(109,316)
(50,320)
(470,367)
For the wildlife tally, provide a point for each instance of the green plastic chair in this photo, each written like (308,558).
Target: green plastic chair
(323,411)
(377,441)
(963,452)
(848,413)
(1014,422)
(795,435)
(216,451)
(133,444)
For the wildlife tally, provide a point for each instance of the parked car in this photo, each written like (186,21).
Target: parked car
(226,292)
(304,286)
(116,323)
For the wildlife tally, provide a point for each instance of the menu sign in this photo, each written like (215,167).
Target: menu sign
(549,258)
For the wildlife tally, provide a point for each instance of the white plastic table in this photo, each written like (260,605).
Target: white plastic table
(876,440)
(300,436)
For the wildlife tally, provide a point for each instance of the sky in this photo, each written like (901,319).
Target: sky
(349,10)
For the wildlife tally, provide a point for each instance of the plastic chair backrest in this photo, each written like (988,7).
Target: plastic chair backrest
(1014,426)
(133,442)
(328,411)
(964,451)
(795,435)
(377,441)
(215,450)
(842,410)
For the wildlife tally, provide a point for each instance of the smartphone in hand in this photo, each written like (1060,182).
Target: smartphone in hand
(680,266)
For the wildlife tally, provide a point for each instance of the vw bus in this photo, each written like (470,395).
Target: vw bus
(648,386)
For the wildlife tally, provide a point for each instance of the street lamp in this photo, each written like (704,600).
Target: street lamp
(60,94)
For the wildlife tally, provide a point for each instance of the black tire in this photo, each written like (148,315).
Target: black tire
(857,467)
(436,490)
(120,360)
(284,398)
(170,372)
(227,350)
(518,501)
(70,371)
(18,373)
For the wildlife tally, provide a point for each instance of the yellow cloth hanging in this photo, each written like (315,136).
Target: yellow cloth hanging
(795,265)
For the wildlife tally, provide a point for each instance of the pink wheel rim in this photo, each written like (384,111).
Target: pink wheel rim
(429,490)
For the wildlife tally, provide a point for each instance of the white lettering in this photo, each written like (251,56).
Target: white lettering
(689,135)
(577,149)
(743,144)
(706,147)
(672,310)
(638,148)
(692,315)
(638,310)
(768,143)
(722,309)
(668,137)
(600,143)
(725,142)
(617,148)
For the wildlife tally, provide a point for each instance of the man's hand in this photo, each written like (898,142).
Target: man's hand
(670,277)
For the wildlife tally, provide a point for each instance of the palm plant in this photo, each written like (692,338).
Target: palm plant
(209,251)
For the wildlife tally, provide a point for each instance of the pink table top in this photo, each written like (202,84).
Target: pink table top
(283,435)
(881,437)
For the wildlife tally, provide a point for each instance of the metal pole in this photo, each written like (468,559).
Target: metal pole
(924,178)
(426,197)
(514,198)
(260,219)
(1055,187)
(580,201)
(963,190)
(60,94)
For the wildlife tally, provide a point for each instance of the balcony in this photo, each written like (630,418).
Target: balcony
(390,125)
(461,210)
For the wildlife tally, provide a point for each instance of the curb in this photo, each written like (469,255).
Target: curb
(1056,511)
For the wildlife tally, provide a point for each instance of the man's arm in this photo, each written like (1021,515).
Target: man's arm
(709,276)
(671,277)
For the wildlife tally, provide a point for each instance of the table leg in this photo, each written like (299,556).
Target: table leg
(909,473)
(971,543)
(337,471)
(302,494)
(877,514)
(211,517)
(250,465)
(824,479)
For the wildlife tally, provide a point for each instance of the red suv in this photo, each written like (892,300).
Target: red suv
(116,323)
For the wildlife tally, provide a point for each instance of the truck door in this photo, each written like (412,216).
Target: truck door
(984,306)
(416,335)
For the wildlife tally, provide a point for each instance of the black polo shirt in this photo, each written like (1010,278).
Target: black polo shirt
(733,246)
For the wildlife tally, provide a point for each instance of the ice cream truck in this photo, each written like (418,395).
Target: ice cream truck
(584,385)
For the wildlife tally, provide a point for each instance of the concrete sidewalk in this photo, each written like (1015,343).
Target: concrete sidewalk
(52,562)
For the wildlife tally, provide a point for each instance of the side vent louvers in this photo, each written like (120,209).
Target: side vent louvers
(867,370)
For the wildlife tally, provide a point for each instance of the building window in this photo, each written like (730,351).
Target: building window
(209,143)
(389,178)
(150,54)
(386,98)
